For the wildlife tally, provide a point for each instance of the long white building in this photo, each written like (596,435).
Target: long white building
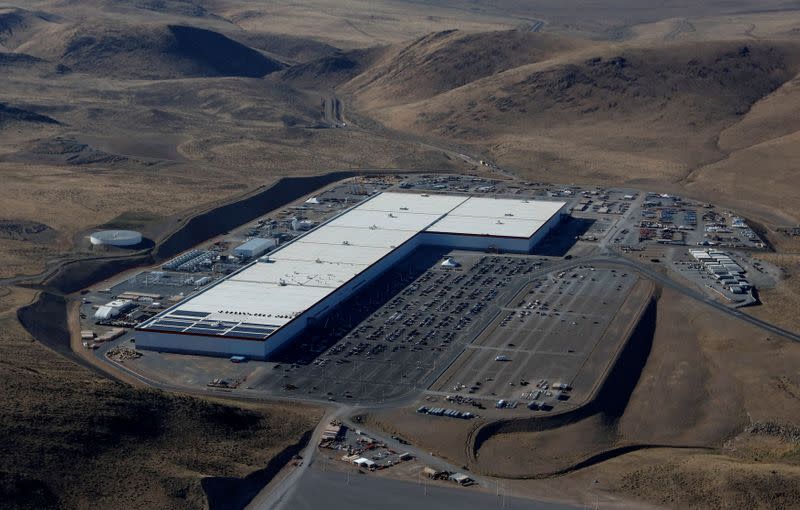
(259,308)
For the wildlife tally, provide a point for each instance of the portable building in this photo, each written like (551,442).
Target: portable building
(253,248)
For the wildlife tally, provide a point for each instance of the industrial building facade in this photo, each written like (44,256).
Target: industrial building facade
(267,303)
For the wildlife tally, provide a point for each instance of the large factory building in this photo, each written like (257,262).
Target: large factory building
(267,303)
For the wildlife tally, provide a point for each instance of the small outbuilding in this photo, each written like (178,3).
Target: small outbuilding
(253,248)
(364,462)
(113,309)
(461,478)
(450,262)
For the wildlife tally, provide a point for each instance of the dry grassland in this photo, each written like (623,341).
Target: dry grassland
(78,438)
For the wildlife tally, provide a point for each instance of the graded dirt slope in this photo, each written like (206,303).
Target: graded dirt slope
(80,440)
(703,386)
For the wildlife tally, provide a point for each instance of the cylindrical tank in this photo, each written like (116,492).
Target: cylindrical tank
(116,238)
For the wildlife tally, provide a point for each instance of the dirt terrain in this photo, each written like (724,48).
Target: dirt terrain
(78,437)
(683,116)
(136,113)
(700,406)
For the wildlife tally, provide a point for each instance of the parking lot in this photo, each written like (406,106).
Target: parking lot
(495,327)
(397,335)
(561,329)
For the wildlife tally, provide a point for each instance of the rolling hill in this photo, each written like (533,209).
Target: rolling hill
(442,61)
(613,113)
(9,114)
(332,70)
(119,51)
(18,25)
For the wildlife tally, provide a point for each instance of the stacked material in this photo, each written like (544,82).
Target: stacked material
(722,267)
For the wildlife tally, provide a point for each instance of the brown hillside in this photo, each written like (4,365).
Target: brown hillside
(118,50)
(446,60)
(613,113)
(331,70)
(653,100)
(287,48)
(76,440)
(17,25)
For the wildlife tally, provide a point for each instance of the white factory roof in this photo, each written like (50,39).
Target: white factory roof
(294,272)
(504,207)
(374,220)
(497,217)
(505,227)
(417,203)
(265,295)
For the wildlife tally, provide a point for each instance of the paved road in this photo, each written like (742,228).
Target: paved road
(335,490)
(313,485)
(278,495)
(667,282)
(333,111)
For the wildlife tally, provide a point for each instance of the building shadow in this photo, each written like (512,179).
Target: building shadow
(325,332)
(560,240)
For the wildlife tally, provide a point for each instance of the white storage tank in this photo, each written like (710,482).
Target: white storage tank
(116,238)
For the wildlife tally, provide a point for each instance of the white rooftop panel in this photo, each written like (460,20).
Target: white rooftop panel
(508,208)
(505,227)
(257,303)
(413,203)
(358,236)
(293,272)
(359,218)
(346,254)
